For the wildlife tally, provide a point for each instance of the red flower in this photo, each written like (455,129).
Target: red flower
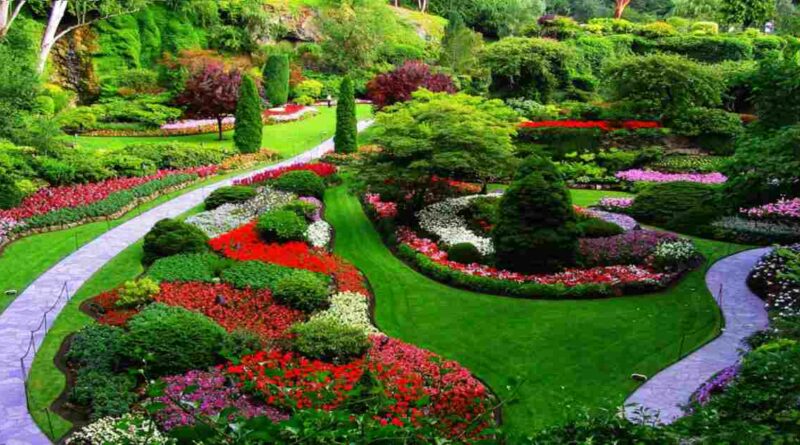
(321,169)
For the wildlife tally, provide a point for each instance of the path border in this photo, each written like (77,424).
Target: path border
(22,317)
(744,314)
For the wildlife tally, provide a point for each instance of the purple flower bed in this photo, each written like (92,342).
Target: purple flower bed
(626,222)
(716,385)
(615,203)
(637,175)
(631,247)
(208,395)
(782,210)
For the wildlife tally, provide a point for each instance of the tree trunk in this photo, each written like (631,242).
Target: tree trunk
(7,15)
(57,10)
(620,8)
(219,126)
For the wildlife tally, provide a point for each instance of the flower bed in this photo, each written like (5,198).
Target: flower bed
(612,204)
(444,220)
(717,384)
(320,168)
(776,279)
(602,125)
(633,247)
(637,175)
(785,210)
(232,215)
(756,231)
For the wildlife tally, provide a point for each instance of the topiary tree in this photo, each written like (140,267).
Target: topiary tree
(536,229)
(171,237)
(346,138)
(249,126)
(276,79)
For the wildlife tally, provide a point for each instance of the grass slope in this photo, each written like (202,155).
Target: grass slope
(26,259)
(566,353)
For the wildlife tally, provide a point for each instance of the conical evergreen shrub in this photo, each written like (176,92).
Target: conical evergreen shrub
(346,138)
(276,79)
(249,127)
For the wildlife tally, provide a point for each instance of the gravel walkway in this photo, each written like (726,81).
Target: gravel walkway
(25,313)
(744,315)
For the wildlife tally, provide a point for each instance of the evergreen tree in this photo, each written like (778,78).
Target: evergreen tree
(346,138)
(536,229)
(276,79)
(249,126)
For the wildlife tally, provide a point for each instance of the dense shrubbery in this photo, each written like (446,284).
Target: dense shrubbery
(662,203)
(329,340)
(281,226)
(171,237)
(225,195)
(302,290)
(465,253)
(186,267)
(301,183)
(254,275)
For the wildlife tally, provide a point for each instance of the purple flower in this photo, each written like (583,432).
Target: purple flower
(626,222)
(717,384)
(317,215)
(654,176)
(633,247)
(786,209)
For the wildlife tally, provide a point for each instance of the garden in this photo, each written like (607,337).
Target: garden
(420,222)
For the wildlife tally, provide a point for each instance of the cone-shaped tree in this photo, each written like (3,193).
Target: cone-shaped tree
(536,229)
(249,126)
(346,138)
(276,79)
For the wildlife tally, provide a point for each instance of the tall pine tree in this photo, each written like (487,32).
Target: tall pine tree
(276,79)
(346,138)
(249,126)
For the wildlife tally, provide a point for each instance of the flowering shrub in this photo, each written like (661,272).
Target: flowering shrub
(321,169)
(444,220)
(7,227)
(615,203)
(772,279)
(717,384)
(252,310)
(230,216)
(199,393)
(633,247)
(317,214)
(756,231)
(672,256)
(637,175)
(602,125)
(383,209)
(350,308)
(782,210)
(129,429)
(318,234)
(242,161)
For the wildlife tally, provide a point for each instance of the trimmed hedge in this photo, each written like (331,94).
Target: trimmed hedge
(661,203)
(302,290)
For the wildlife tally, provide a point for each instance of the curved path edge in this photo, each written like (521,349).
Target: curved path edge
(744,313)
(24,314)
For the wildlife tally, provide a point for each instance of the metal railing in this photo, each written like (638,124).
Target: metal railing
(64,296)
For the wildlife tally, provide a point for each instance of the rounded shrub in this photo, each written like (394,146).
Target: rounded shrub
(171,237)
(329,340)
(301,182)
(597,228)
(303,209)
(464,253)
(224,195)
(660,203)
(137,293)
(302,290)
(172,340)
(281,225)
(10,194)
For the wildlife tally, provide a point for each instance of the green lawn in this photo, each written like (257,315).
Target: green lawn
(567,353)
(26,259)
(289,138)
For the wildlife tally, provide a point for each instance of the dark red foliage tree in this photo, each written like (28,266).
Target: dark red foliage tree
(397,86)
(211,92)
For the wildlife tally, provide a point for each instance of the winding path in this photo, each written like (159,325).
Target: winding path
(17,427)
(744,315)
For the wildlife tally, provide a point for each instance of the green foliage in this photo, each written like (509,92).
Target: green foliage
(254,274)
(599,426)
(10,194)
(302,290)
(309,87)
(660,203)
(657,29)
(187,267)
(170,237)
(492,18)
(177,155)
(589,227)
(776,86)
(460,47)
(137,293)
(303,209)
(464,253)
(276,79)
(662,84)
(301,183)
(713,129)
(535,68)
(346,137)
(249,126)
(329,340)
(172,340)
(747,13)
(705,28)
(107,394)
(281,226)
(231,194)
(712,49)
(97,347)
(536,215)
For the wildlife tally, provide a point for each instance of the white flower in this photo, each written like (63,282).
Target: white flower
(126,430)
(227,217)
(349,308)
(443,220)
(319,234)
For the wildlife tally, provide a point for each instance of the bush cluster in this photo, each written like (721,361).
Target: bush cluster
(302,290)
(226,195)
(329,340)
(170,237)
(281,226)
(301,182)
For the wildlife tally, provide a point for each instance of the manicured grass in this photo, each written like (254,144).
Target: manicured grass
(289,138)
(581,197)
(566,353)
(26,259)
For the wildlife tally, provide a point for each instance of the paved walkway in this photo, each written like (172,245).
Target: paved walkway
(744,315)
(25,313)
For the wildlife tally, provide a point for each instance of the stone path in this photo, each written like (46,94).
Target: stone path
(744,315)
(25,313)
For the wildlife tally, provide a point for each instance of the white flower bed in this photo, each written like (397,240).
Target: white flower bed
(227,217)
(319,234)
(7,226)
(126,430)
(443,220)
(290,117)
(350,308)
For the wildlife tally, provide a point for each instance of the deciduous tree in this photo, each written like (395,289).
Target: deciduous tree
(397,86)
(211,93)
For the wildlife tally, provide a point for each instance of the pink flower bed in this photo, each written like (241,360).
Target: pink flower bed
(384,209)
(320,168)
(286,113)
(783,209)
(570,277)
(53,198)
(637,175)
(615,203)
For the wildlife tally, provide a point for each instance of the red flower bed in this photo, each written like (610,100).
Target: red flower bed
(244,244)
(602,125)
(570,277)
(232,308)
(320,168)
(54,198)
(287,109)
(111,315)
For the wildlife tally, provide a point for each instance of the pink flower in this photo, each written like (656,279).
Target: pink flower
(637,175)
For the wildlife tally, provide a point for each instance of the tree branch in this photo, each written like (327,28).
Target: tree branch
(84,22)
